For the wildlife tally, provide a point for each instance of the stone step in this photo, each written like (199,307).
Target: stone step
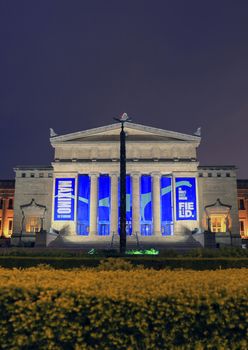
(131,244)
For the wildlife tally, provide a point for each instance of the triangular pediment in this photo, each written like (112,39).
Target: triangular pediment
(134,132)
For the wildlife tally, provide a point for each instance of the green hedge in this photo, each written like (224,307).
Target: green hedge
(147,262)
(166,253)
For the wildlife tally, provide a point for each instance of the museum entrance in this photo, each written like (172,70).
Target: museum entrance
(218,217)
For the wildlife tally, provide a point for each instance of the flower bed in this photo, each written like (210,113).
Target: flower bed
(43,308)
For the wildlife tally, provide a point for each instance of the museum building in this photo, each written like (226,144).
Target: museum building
(170,198)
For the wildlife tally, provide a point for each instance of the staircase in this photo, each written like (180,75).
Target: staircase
(170,243)
(145,242)
(181,243)
(132,242)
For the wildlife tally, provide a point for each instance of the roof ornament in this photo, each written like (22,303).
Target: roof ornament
(52,132)
(198,132)
(123,118)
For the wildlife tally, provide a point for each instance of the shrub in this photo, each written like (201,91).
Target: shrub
(140,309)
(113,264)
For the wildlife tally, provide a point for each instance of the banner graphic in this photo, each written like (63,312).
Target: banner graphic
(83,205)
(166,206)
(186,206)
(128,205)
(104,205)
(64,199)
(146,205)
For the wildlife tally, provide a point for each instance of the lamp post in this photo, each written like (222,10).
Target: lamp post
(123,239)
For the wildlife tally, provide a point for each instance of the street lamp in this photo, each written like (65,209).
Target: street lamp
(123,239)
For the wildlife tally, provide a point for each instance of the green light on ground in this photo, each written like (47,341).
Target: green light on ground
(151,251)
(92,251)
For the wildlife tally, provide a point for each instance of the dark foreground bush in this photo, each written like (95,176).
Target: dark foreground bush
(90,252)
(142,309)
(156,262)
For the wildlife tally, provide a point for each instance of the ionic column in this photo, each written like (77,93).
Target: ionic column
(114,204)
(93,203)
(135,203)
(156,203)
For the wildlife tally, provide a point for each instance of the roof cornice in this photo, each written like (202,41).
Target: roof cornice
(115,126)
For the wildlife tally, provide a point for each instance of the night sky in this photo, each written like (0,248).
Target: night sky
(74,65)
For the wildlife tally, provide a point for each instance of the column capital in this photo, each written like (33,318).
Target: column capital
(156,173)
(95,174)
(135,173)
(113,174)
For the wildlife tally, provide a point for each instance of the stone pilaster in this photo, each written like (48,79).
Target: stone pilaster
(114,203)
(135,202)
(156,205)
(93,203)
(4,209)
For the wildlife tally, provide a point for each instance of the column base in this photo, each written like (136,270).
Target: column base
(93,234)
(157,234)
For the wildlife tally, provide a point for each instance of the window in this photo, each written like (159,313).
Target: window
(242,227)
(209,174)
(32,175)
(227,174)
(218,174)
(218,223)
(200,174)
(41,174)
(1,203)
(10,203)
(33,224)
(241,204)
(10,226)
(50,175)
(23,174)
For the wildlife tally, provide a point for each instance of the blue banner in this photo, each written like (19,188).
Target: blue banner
(146,205)
(128,205)
(104,205)
(186,207)
(64,199)
(83,205)
(166,206)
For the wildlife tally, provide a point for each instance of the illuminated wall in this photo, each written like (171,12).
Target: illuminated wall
(166,206)
(83,205)
(104,205)
(146,205)
(185,203)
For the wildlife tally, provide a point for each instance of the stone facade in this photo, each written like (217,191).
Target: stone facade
(32,183)
(150,151)
(219,182)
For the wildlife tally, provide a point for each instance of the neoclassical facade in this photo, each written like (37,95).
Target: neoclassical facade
(170,198)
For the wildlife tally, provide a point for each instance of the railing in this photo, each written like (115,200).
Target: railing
(136,236)
(112,240)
